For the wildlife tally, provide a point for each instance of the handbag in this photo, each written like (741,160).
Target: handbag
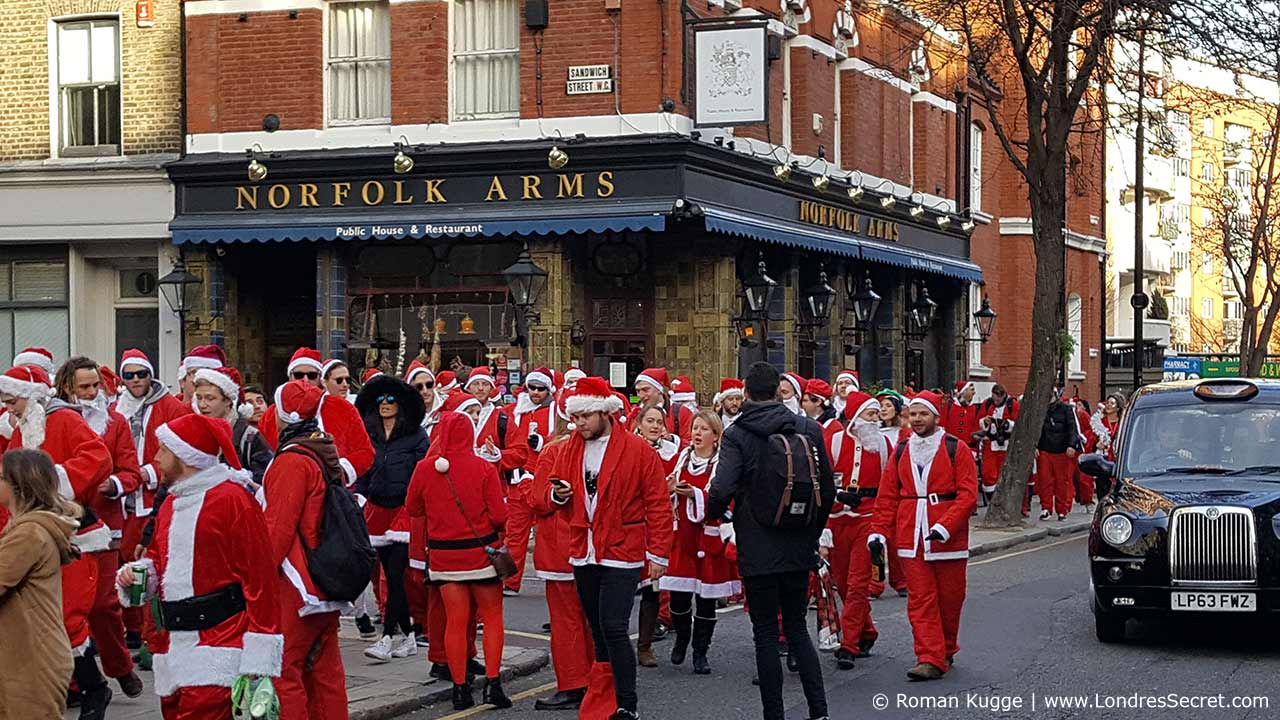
(500,557)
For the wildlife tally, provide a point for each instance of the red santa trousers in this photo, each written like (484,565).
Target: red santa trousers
(311,685)
(935,596)
(106,620)
(464,600)
(519,525)
(79,590)
(437,622)
(1084,483)
(855,621)
(600,703)
(1055,482)
(842,538)
(572,650)
(992,463)
(197,703)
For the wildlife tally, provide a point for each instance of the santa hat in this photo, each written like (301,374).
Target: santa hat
(541,376)
(927,399)
(26,381)
(796,381)
(329,365)
(227,379)
(415,369)
(850,375)
(197,440)
(963,385)
(37,356)
(137,358)
(459,402)
(819,388)
(593,394)
(857,403)
(446,380)
(369,374)
(478,374)
(655,377)
(304,358)
(728,387)
(110,381)
(204,356)
(572,376)
(297,400)
(682,390)
(893,396)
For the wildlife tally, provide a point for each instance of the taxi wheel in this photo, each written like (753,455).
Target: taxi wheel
(1108,628)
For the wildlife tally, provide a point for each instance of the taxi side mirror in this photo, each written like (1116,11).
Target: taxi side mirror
(1096,465)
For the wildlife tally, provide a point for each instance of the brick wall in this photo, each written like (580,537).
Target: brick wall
(933,145)
(420,63)
(813,79)
(150,85)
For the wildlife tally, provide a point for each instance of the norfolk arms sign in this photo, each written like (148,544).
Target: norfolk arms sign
(848,221)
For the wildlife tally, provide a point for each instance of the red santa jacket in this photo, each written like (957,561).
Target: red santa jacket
(831,430)
(1008,410)
(630,517)
(551,552)
(293,506)
(861,468)
(452,474)
(126,473)
(961,420)
(539,425)
(912,503)
(343,422)
(506,435)
(209,536)
(164,409)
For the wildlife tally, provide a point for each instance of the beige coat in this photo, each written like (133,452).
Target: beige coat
(35,656)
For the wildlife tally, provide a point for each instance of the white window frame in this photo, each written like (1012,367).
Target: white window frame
(976,135)
(976,368)
(1206,308)
(326,25)
(1206,127)
(1206,171)
(55,92)
(453,79)
(1075,326)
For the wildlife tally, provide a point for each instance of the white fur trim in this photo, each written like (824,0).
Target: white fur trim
(397,536)
(574,375)
(417,564)
(477,378)
(140,362)
(937,527)
(190,664)
(229,389)
(152,480)
(192,362)
(653,559)
(872,403)
(10,385)
(540,378)
(34,358)
(583,404)
(826,539)
(6,425)
(924,404)
(349,470)
(93,541)
(727,393)
(420,371)
(483,573)
(684,397)
(288,418)
(442,464)
(846,374)
(795,383)
(245,410)
(262,655)
(64,483)
(304,362)
(877,536)
(185,452)
(695,507)
(550,576)
(651,381)
(467,404)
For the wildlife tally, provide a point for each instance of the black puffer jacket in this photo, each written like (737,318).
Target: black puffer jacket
(765,550)
(387,481)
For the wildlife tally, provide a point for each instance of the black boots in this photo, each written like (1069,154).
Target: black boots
(648,623)
(462,698)
(493,694)
(683,626)
(95,696)
(703,629)
(131,684)
(563,700)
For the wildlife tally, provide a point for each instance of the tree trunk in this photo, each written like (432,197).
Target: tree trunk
(1048,210)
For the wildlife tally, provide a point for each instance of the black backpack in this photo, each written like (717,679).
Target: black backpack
(342,563)
(785,493)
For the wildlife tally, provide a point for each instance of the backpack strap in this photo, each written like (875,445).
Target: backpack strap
(791,479)
(952,442)
(897,452)
(810,455)
(502,429)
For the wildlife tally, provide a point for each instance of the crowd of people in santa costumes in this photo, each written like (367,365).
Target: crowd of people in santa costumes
(452,467)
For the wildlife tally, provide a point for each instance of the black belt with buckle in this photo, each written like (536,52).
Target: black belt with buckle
(933,498)
(465,544)
(202,611)
(868,492)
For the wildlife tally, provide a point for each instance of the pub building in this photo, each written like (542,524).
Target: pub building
(694,253)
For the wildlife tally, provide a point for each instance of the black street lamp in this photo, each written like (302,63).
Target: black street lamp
(923,309)
(758,288)
(818,298)
(176,287)
(985,318)
(526,281)
(865,302)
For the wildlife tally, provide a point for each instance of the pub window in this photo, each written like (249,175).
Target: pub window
(359,62)
(88,73)
(975,167)
(485,59)
(33,306)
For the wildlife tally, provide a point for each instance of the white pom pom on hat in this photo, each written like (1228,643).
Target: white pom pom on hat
(442,464)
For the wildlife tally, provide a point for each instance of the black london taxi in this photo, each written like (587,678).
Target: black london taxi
(1189,521)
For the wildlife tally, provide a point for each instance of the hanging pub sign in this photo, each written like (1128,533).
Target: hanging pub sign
(731,83)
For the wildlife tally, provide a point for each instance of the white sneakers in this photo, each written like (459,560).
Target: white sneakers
(404,646)
(381,650)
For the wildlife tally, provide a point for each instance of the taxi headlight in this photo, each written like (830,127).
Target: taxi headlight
(1117,529)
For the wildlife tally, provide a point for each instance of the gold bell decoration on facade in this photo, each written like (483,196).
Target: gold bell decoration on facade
(442,328)
(467,326)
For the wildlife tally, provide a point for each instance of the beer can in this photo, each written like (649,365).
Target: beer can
(138,590)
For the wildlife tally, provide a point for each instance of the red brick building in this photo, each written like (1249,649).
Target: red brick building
(865,166)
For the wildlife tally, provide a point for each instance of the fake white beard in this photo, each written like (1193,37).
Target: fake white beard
(32,425)
(95,412)
(793,404)
(924,448)
(128,405)
(868,434)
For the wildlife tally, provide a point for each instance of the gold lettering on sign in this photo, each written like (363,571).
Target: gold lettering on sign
(271,196)
(400,198)
(531,191)
(605,182)
(340,192)
(364,192)
(495,189)
(570,187)
(882,230)
(246,196)
(307,195)
(827,216)
(433,191)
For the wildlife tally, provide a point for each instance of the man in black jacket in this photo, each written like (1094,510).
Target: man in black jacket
(1060,441)
(774,563)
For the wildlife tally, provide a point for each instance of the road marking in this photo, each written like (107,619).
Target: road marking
(483,708)
(1038,548)
(531,636)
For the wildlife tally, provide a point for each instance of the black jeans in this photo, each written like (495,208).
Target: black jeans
(788,593)
(682,603)
(395,563)
(607,595)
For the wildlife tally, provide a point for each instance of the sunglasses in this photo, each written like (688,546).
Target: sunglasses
(136,374)
(538,388)
(341,380)
(306,375)
(423,386)
(387,400)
